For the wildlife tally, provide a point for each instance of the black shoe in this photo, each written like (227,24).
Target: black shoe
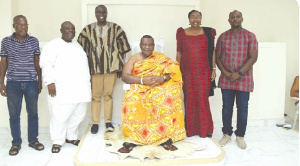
(209,135)
(94,129)
(109,127)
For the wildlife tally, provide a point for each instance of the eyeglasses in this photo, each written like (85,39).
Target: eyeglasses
(22,25)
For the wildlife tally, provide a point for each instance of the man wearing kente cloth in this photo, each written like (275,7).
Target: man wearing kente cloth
(152,108)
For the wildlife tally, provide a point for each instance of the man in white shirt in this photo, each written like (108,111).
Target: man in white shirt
(66,74)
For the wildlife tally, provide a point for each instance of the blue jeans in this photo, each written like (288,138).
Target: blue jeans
(242,99)
(15,91)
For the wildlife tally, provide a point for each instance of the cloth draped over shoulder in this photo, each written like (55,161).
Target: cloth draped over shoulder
(211,46)
(152,115)
(105,53)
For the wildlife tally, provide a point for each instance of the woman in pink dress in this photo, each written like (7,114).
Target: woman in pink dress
(195,53)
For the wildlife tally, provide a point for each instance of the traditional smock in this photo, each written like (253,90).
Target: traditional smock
(105,47)
(152,115)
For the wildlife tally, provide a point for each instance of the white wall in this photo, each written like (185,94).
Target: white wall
(5,29)
(271,21)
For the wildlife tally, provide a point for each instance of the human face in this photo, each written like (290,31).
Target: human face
(21,28)
(101,14)
(147,46)
(195,19)
(235,19)
(67,31)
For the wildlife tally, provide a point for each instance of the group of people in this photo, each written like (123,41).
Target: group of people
(152,111)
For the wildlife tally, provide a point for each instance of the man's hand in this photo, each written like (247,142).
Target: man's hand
(156,80)
(153,80)
(52,90)
(40,84)
(227,74)
(3,90)
(234,77)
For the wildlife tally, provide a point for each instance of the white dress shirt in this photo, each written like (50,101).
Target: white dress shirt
(66,65)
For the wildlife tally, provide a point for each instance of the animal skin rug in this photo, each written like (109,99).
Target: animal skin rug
(116,139)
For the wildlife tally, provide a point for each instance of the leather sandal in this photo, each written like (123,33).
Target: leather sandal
(127,147)
(168,145)
(37,145)
(55,148)
(14,150)
(74,142)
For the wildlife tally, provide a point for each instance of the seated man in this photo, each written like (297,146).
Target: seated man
(152,108)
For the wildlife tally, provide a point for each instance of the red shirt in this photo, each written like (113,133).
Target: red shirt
(234,49)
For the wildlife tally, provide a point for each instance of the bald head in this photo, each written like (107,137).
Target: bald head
(67,31)
(66,23)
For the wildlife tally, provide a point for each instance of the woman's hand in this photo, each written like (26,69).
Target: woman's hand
(213,75)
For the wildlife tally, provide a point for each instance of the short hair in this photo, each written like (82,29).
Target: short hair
(100,6)
(236,11)
(147,36)
(18,17)
(190,13)
(66,22)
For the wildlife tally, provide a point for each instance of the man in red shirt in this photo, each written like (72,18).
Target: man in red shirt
(236,53)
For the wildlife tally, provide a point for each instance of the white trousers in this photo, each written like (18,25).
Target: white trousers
(64,121)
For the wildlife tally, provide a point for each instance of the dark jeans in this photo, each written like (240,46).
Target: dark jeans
(242,99)
(15,92)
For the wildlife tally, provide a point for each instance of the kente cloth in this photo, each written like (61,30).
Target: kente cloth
(196,75)
(105,50)
(152,115)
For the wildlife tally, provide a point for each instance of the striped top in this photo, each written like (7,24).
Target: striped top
(104,47)
(234,49)
(20,57)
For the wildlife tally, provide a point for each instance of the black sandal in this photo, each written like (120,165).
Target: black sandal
(37,145)
(168,145)
(14,150)
(127,147)
(74,142)
(55,148)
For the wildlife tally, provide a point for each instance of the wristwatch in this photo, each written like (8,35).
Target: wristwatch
(165,78)
(240,73)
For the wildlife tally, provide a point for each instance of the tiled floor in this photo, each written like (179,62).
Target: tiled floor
(193,150)
(267,145)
